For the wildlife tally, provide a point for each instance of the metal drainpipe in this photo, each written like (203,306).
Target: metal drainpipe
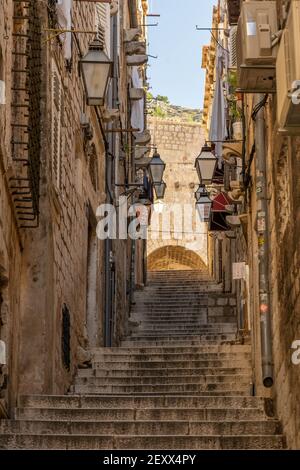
(263,249)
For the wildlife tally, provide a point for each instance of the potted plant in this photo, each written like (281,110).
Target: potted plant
(236,120)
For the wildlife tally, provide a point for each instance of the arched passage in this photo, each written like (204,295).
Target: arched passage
(174,258)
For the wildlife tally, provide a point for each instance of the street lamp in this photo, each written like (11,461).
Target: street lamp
(199,192)
(203,203)
(156,169)
(160,190)
(96,70)
(205,165)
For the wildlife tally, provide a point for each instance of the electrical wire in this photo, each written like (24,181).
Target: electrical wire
(259,106)
(254,114)
(248,169)
(216,40)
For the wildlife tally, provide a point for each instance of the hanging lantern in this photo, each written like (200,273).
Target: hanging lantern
(96,70)
(203,204)
(156,169)
(160,190)
(205,165)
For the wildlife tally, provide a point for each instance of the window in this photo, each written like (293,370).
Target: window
(66,338)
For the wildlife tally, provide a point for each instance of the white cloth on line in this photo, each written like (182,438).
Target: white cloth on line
(64,9)
(218,128)
(138,106)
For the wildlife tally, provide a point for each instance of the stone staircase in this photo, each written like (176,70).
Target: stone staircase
(181,380)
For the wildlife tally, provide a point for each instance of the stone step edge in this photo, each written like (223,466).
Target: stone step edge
(192,410)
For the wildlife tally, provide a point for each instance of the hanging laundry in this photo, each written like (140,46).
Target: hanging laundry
(64,9)
(218,129)
(137,109)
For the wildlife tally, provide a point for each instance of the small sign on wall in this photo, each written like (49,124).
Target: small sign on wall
(239,271)
(2,92)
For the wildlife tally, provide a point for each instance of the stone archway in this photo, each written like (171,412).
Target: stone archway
(168,258)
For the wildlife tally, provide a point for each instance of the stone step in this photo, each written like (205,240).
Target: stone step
(214,321)
(244,379)
(170,364)
(185,318)
(135,403)
(171,316)
(180,290)
(175,342)
(212,338)
(184,329)
(181,313)
(180,333)
(226,348)
(184,293)
(169,393)
(147,442)
(144,341)
(182,287)
(235,388)
(169,311)
(188,298)
(201,284)
(163,372)
(205,318)
(200,281)
(201,305)
(205,278)
(167,357)
(158,414)
(182,326)
(195,284)
(213,325)
(182,318)
(184,427)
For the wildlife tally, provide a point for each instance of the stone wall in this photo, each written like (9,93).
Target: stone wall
(283,171)
(178,143)
(57,269)
(283,177)
(57,273)
(284,159)
(10,237)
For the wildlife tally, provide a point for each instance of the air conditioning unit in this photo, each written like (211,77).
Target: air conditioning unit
(288,74)
(256,54)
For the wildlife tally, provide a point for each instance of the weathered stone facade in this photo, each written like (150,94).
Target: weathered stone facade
(53,277)
(283,173)
(179,143)
(282,182)
(11,243)
(283,161)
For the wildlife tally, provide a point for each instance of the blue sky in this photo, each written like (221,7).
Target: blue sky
(177,72)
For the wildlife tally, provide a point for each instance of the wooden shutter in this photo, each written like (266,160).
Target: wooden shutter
(103,25)
(57,122)
(233,47)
